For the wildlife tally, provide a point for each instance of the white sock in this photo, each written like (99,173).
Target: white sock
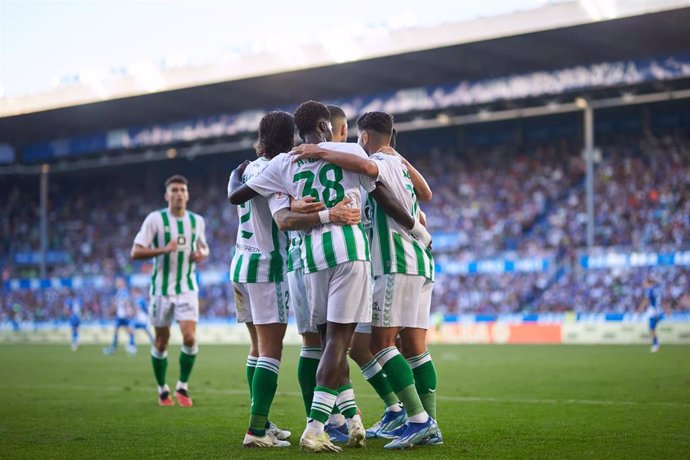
(315,425)
(351,421)
(419,418)
(397,407)
(336,419)
(163,388)
(181,385)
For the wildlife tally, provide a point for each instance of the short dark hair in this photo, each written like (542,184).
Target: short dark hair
(176,179)
(276,133)
(336,112)
(379,122)
(308,115)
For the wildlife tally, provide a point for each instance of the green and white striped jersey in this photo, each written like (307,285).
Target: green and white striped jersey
(294,261)
(393,249)
(325,245)
(173,273)
(261,249)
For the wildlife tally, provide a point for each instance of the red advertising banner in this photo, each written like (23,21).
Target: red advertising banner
(496,332)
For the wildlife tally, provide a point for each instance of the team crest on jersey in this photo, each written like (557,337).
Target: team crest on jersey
(181,240)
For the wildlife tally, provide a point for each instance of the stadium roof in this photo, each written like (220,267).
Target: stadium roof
(634,37)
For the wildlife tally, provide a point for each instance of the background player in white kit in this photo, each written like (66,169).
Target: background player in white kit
(124,315)
(175,237)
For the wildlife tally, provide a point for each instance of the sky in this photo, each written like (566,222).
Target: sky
(41,41)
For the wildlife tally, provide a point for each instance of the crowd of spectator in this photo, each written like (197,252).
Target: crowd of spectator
(495,202)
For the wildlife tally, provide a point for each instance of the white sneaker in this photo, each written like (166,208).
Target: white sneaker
(655,348)
(357,433)
(313,441)
(269,440)
(282,435)
(131,350)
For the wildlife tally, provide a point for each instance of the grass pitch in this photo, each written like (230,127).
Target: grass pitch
(493,402)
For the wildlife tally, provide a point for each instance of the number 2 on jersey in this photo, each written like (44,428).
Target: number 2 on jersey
(244,218)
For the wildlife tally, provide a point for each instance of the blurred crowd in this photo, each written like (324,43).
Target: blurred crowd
(493,203)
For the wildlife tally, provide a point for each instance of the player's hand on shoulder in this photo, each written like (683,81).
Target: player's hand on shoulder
(306,151)
(306,205)
(241,167)
(343,214)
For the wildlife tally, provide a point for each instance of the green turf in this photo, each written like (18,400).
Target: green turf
(494,402)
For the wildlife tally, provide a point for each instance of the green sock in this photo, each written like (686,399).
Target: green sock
(264,385)
(401,379)
(251,367)
(425,381)
(307,364)
(322,405)
(160,366)
(346,401)
(187,358)
(373,373)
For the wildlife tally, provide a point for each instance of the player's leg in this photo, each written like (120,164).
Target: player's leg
(269,308)
(244,315)
(110,350)
(186,312)
(345,293)
(425,377)
(159,362)
(132,345)
(75,332)
(161,319)
(396,302)
(253,355)
(360,351)
(653,321)
(310,354)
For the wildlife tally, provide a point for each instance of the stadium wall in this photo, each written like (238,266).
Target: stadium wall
(458,332)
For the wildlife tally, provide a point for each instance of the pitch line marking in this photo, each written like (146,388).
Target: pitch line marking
(463,399)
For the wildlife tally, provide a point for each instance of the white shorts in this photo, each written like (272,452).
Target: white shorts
(262,303)
(401,301)
(180,307)
(340,294)
(298,301)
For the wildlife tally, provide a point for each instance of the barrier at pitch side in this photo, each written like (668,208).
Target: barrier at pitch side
(565,330)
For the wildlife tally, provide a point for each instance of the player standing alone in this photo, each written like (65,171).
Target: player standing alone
(654,304)
(175,238)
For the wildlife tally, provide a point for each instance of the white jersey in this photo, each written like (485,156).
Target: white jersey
(174,272)
(294,261)
(261,249)
(123,308)
(326,245)
(393,249)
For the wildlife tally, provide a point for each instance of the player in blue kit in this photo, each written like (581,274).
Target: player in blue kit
(653,303)
(73,307)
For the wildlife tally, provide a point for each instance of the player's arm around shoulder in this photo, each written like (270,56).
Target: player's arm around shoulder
(347,161)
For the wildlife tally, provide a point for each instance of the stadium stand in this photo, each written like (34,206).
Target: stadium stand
(508,214)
